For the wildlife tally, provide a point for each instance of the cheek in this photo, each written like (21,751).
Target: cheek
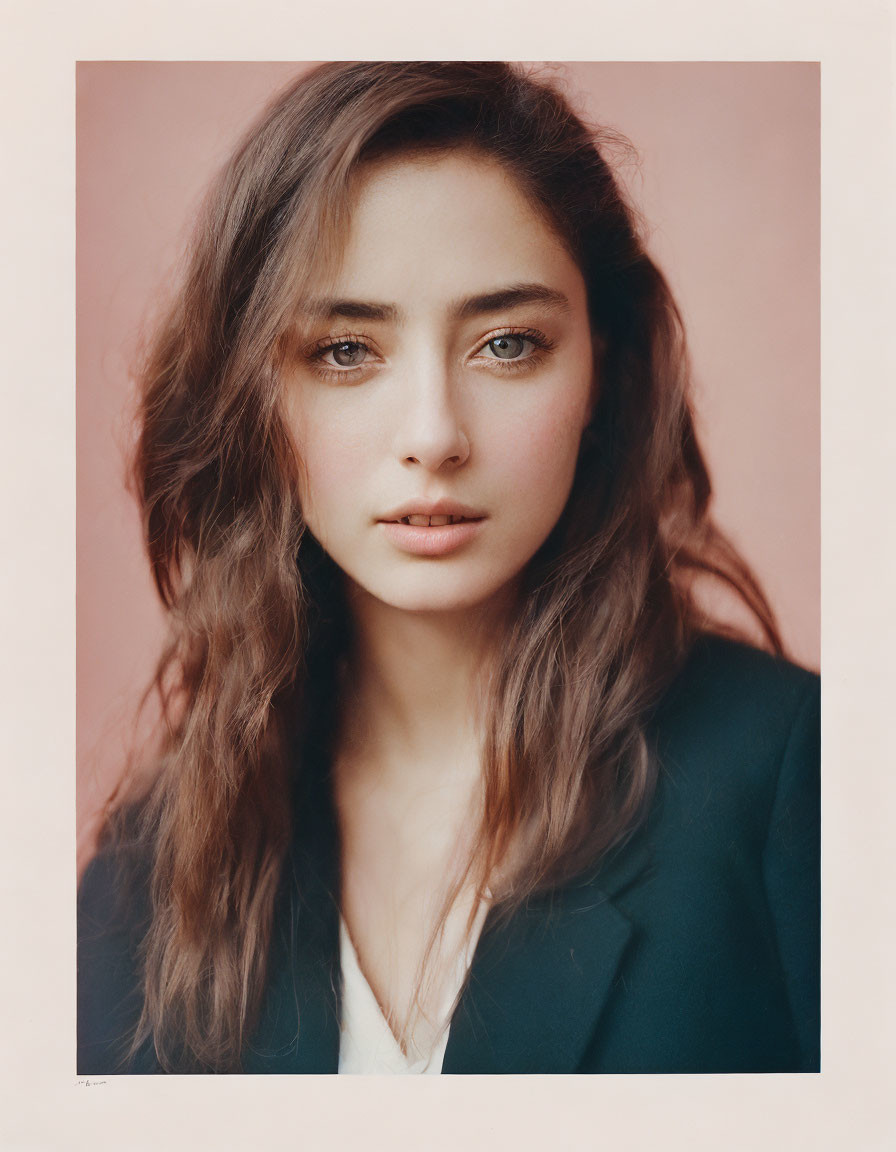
(328,447)
(540,452)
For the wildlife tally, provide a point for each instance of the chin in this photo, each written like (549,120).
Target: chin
(429,604)
(430,593)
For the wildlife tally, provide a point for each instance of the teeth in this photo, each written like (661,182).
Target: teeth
(430,521)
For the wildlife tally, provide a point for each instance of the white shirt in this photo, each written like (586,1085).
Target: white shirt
(367,1044)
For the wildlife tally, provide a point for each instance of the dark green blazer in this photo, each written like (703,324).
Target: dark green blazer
(693,948)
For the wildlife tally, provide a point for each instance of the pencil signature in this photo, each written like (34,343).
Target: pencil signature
(90,1083)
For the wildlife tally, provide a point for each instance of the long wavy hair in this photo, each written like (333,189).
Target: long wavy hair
(608,605)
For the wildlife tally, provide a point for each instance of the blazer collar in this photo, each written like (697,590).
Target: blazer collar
(539,982)
(537,986)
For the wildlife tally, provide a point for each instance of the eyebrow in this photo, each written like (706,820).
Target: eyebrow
(511,297)
(351,310)
(501,298)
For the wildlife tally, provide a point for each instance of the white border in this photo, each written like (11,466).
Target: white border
(46,1106)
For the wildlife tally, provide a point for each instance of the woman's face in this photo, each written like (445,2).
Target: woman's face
(441,385)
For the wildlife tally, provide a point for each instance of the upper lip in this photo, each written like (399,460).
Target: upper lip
(432,508)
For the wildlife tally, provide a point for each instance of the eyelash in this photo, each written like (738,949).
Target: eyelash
(541,345)
(315,356)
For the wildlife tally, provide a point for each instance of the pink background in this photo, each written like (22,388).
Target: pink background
(728,182)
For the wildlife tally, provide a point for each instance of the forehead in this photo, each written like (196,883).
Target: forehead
(453,223)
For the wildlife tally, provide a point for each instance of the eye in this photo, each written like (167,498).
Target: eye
(508,347)
(348,357)
(523,348)
(347,353)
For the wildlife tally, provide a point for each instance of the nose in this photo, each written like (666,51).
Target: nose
(430,431)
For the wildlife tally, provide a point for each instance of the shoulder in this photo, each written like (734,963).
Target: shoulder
(730,698)
(114,895)
(737,737)
(726,688)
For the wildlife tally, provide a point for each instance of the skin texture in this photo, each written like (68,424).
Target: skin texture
(425,410)
(430,412)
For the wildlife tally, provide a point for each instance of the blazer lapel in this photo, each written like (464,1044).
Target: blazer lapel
(539,982)
(537,985)
(299,1028)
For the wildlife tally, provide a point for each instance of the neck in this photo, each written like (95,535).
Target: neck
(414,682)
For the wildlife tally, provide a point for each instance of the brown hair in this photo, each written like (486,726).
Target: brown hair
(608,607)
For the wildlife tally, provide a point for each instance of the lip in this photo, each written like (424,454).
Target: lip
(434,539)
(431,508)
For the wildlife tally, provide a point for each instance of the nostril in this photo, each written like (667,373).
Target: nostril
(444,454)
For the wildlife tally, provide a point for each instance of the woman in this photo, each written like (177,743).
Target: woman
(456,775)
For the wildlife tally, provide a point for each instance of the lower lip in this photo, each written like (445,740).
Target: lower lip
(436,540)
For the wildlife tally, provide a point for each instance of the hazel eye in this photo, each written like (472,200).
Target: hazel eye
(348,353)
(508,347)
